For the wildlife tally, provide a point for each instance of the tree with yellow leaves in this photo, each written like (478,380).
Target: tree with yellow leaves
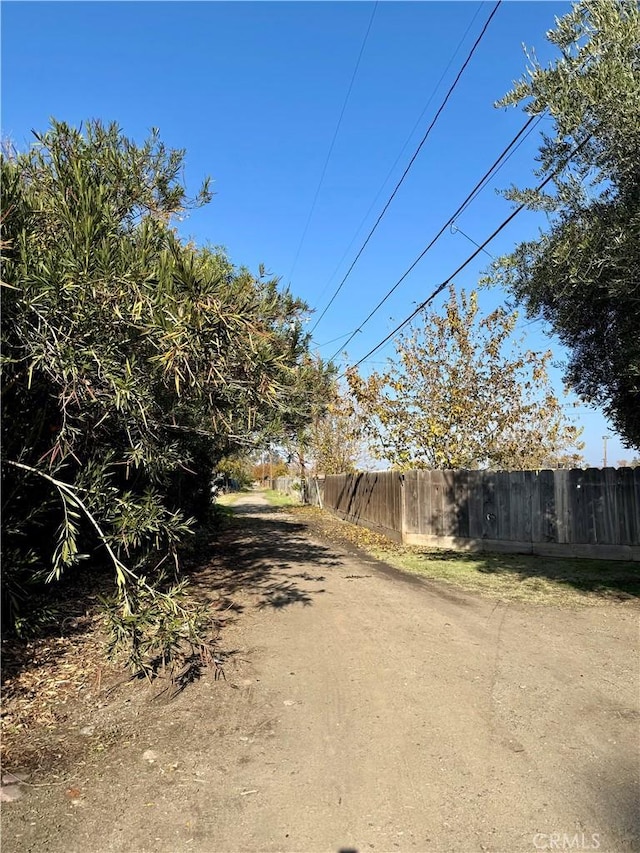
(334,437)
(462,392)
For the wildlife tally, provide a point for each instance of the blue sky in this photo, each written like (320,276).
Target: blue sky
(254,90)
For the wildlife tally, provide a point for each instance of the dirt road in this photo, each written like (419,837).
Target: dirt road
(369,710)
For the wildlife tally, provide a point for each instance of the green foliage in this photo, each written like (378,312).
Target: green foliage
(333,440)
(131,364)
(236,468)
(462,393)
(583,274)
(157,629)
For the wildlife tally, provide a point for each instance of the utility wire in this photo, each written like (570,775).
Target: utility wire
(332,341)
(480,186)
(402,150)
(456,230)
(447,281)
(412,160)
(333,141)
(491,172)
(532,127)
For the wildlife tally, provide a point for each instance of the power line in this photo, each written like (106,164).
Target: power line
(412,160)
(456,230)
(510,154)
(491,172)
(402,150)
(332,341)
(447,281)
(335,135)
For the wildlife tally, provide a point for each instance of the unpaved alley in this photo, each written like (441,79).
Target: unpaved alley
(368,710)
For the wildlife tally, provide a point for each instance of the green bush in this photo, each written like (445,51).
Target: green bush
(131,364)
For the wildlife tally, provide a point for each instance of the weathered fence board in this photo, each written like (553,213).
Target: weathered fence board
(584,513)
(373,499)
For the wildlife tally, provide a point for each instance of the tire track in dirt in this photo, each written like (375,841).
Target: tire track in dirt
(368,710)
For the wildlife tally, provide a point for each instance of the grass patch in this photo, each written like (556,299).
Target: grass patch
(515,577)
(226,500)
(280,499)
(523,577)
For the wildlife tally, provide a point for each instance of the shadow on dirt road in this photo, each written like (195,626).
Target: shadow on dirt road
(364,712)
(259,556)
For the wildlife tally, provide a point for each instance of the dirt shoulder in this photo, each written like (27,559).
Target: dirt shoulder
(364,709)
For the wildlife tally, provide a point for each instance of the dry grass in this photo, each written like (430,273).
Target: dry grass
(516,577)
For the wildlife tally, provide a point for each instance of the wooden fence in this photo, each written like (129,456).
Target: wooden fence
(582,513)
(289,486)
(373,500)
